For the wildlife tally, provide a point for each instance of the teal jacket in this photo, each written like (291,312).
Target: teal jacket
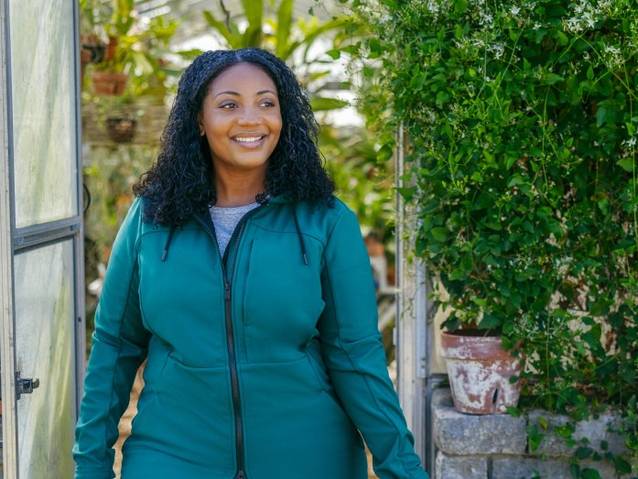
(264,364)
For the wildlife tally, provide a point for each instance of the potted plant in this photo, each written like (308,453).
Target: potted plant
(92,44)
(121,129)
(483,375)
(135,47)
(110,75)
(118,116)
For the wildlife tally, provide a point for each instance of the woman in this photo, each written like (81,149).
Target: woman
(246,283)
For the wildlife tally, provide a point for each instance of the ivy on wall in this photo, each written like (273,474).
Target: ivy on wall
(522,122)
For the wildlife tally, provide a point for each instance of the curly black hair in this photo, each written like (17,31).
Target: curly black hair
(180,182)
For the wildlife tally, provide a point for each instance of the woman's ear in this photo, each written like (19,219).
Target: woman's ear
(202,131)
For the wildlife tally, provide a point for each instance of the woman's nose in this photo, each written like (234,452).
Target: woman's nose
(249,116)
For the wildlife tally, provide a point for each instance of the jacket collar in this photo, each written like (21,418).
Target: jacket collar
(203,217)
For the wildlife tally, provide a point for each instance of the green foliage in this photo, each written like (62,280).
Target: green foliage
(140,49)
(522,127)
(290,38)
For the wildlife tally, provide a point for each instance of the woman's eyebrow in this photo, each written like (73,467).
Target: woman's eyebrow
(237,94)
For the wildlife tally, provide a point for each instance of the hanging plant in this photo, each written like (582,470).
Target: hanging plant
(121,129)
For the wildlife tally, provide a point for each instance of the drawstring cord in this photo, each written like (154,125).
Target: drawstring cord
(301,242)
(168,243)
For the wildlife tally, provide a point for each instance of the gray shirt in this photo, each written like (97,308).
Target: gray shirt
(225,218)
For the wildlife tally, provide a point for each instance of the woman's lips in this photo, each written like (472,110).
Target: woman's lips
(250,144)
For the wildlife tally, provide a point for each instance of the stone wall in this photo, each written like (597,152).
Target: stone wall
(497,446)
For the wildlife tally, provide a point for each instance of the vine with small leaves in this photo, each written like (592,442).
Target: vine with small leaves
(523,133)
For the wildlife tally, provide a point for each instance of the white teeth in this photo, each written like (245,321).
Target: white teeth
(248,140)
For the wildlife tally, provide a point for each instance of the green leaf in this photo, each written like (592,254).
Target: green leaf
(626,164)
(284,23)
(441,98)
(590,73)
(621,465)
(439,234)
(551,79)
(509,162)
(583,453)
(320,103)
(253,11)
(407,192)
(601,116)
(490,321)
(534,437)
(513,411)
(543,423)
(515,180)
(460,6)
(234,41)
(589,473)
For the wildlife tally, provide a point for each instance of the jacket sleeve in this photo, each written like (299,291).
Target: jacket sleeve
(352,349)
(119,347)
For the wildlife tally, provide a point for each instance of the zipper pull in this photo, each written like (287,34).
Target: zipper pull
(240,475)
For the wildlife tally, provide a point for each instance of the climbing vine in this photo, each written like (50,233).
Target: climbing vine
(522,119)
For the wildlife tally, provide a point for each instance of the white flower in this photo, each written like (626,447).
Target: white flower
(498,50)
(515,10)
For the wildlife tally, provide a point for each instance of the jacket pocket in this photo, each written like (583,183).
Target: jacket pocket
(313,355)
(280,290)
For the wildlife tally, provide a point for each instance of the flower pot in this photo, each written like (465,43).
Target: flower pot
(111,48)
(109,83)
(479,371)
(121,129)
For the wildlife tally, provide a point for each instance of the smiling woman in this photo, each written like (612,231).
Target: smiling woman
(264,358)
(241,120)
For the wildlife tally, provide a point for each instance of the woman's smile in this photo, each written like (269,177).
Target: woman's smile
(251,142)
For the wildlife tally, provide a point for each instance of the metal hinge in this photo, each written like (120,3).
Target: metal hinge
(25,385)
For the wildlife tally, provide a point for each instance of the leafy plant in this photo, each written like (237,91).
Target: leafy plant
(139,49)
(522,127)
(291,39)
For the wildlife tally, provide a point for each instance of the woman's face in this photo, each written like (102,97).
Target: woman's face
(241,117)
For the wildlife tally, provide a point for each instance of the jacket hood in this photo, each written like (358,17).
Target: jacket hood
(282,198)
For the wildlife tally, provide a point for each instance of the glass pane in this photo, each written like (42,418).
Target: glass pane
(42,80)
(45,350)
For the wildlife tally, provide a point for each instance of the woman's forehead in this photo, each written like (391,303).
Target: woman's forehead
(243,78)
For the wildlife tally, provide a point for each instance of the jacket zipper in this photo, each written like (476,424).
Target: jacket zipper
(230,338)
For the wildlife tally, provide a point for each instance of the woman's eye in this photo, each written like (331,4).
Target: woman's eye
(232,105)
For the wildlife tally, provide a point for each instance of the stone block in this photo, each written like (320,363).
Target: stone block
(456,433)
(537,468)
(460,467)
(529,468)
(595,430)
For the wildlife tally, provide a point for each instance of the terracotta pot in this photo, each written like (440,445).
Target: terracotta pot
(111,48)
(121,130)
(109,83)
(479,370)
